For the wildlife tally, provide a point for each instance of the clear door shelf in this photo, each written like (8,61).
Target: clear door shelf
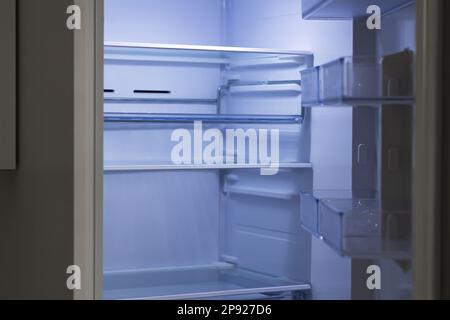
(361,81)
(309,207)
(354,227)
(348,9)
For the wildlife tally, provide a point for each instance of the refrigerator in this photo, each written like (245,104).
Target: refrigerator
(258,149)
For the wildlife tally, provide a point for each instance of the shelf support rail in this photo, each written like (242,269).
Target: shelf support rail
(207,118)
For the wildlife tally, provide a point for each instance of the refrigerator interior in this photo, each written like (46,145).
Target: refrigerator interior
(284,209)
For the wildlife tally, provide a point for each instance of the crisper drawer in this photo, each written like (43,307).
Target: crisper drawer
(351,81)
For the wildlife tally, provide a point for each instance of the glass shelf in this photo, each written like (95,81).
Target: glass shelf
(355,227)
(262,193)
(142,167)
(207,118)
(356,81)
(152,52)
(124,100)
(201,282)
(348,9)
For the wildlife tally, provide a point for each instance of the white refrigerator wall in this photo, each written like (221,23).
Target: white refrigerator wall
(164,21)
(136,239)
(274,23)
(155,219)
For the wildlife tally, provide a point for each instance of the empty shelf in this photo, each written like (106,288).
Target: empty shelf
(290,89)
(238,83)
(259,192)
(154,52)
(159,100)
(285,61)
(171,167)
(348,9)
(196,284)
(217,266)
(207,118)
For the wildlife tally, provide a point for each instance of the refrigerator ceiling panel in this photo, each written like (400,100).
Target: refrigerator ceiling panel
(348,9)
